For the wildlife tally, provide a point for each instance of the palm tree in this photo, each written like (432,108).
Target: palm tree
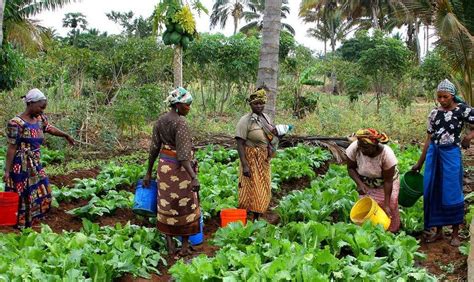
(76,21)
(378,11)
(2,8)
(18,28)
(331,24)
(222,9)
(253,17)
(267,75)
(454,26)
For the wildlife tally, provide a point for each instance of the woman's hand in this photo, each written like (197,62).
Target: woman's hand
(362,189)
(146,180)
(466,142)
(195,185)
(388,210)
(70,140)
(417,167)
(246,170)
(6,176)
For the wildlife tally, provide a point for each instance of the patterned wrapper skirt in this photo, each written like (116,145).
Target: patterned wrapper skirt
(378,194)
(178,206)
(255,191)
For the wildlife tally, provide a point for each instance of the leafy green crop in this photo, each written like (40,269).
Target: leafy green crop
(412,218)
(306,252)
(328,198)
(110,177)
(105,205)
(94,254)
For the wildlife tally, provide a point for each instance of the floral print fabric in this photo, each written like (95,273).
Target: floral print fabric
(27,176)
(445,126)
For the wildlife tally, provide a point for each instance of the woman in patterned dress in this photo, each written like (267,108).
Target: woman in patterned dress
(373,167)
(24,173)
(443,178)
(178,206)
(254,137)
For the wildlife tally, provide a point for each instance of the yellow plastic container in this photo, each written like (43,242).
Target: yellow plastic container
(368,209)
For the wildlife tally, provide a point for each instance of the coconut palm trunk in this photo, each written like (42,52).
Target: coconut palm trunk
(268,65)
(375,15)
(178,66)
(2,8)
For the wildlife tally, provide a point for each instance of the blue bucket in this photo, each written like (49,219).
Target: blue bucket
(197,238)
(145,199)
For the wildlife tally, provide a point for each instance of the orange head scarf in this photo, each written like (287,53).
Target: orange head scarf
(371,136)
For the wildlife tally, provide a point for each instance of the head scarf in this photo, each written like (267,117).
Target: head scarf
(371,136)
(449,87)
(259,95)
(34,95)
(179,95)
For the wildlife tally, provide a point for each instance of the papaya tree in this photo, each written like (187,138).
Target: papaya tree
(179,29)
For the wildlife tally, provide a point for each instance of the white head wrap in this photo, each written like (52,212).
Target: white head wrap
(447,86)
(34,95)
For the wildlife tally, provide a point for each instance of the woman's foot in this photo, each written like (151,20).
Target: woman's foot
(170,245)
(183,253)
(434,237)
(455,242)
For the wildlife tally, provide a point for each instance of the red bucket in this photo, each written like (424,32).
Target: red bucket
(233,215)
(8,208)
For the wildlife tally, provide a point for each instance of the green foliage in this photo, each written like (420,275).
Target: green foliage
(328,198)
(387,58)
(306,251)
(287,44)
(111,177)
(356,86)
(99,206)
(138,27)
(351,49)
(95,253)
(407,91)
(433,70)
(12,67)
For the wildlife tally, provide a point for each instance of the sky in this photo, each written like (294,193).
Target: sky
(95,11)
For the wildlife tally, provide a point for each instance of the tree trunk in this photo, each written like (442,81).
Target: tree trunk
(2,8)
(268,64)
(417,40)
(427,39)
(236,24)
(325,58)
(334,89)
(375,15)
(178,66)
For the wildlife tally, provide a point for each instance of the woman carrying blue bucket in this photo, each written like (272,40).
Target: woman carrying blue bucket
(443,179)
(178,204)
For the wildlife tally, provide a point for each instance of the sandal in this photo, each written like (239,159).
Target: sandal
(434,237)
(455,242)
(181,254)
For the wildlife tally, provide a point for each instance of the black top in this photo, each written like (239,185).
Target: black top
(445,126)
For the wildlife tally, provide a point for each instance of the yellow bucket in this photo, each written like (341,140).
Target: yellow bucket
(368,209)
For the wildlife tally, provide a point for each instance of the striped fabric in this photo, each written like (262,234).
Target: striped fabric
(378,195)
(255,191)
